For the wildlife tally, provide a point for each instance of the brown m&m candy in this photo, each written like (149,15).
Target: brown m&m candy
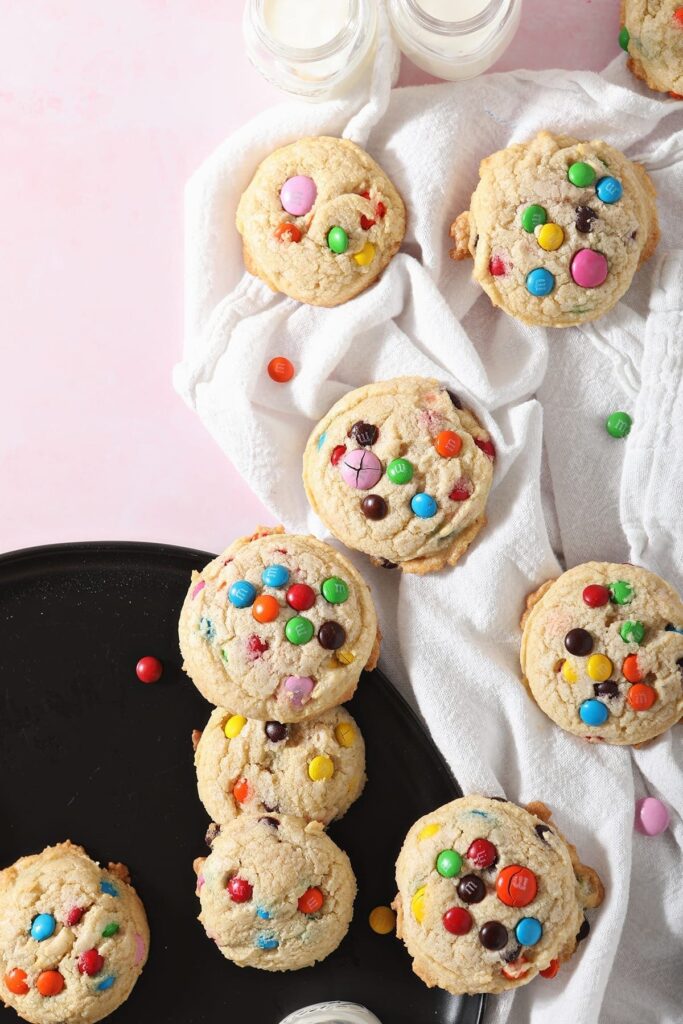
(374,507)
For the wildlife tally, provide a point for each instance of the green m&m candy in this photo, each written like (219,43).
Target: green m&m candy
(335,590)
(400,471)
(581,174)
(299,630)
(532,217)
(621,592)
(337,239)
(624,38)
(618,424)
(110,929)
(632,632)
(448,863)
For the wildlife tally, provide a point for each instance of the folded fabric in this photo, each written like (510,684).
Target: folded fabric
(564,491)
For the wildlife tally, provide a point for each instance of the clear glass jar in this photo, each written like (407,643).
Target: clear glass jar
(332,1013)
(314,49)
(454,39)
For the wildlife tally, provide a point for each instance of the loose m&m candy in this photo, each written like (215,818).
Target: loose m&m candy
(149,669)
(280,369)
(382,920)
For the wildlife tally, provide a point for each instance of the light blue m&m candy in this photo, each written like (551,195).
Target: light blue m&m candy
(43,927)
(593,712)
(528,932)
(106,983)
(275,576)
(609,190)
(267,942)
(540,282)
(242,594)
(423,505)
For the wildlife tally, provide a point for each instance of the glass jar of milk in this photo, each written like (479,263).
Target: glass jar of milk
(454,39)
(315,49)
(332,1013)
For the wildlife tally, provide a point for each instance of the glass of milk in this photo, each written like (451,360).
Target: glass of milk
(315,49)
(332,1013)
(454,39)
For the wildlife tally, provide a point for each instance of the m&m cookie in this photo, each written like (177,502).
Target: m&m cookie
(278,628)
(652,35)
(313,769)
(602,652)
(490,895)
(73,936)
(320,221)
(399,470)
(276,893)
(557,228)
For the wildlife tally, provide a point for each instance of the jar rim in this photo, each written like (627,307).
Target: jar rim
(255,10)
(463,26)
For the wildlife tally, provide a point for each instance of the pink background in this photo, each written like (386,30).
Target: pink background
(105,109)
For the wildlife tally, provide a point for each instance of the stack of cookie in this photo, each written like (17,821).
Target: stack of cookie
(275,632)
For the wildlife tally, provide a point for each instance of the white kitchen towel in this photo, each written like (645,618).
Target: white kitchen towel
(562,488)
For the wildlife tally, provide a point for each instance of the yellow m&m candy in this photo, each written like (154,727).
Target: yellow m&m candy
(428,831)
(234,725)
(569,673)
(599,667)
(345,734)
(366,255)
(550,237)
(345,657)
(321,768)
(417,904)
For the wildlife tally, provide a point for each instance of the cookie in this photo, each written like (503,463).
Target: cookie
(313,769)
(490,895)
(557,229)
(320,221)
(276,893)
(602,652)
(278,628)
(652,35)
(73,936)
(401,471)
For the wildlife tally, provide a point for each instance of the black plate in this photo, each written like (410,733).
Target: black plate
(89,753)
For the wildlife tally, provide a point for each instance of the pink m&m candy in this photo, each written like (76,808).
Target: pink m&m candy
(297,195)
(298,689)
(361,469)
(652,817)
(589,268)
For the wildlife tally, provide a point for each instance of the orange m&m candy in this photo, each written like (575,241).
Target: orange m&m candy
(311,901)
(240,791)
(551,970)
(517,969)
(287,229)
(50,983)
(516,886)
(641,697)
(265,608)
(448,444)
(631,670)
(16,981)
(280,370)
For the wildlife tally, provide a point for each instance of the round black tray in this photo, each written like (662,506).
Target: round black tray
(89,753)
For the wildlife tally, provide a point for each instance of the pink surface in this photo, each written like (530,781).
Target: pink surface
(105,109)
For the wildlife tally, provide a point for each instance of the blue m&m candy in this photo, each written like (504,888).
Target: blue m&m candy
(528,932)
(423,505)
(263,914)
(106,983)
(593,712)
(43,927)
(109,888)
(275,576)
(242,594)
(540,282)
(267,942)
(609,190)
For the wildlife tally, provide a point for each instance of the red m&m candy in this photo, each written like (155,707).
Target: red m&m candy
(516,886)
(90,962)
(280,369)
(149,669)
(551,970)
(338,452)
(74,916)
(457,921)
(595,596)
(678,15)
(497,266)
(301,597)
(240,890)
(486,446)
(482,853)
